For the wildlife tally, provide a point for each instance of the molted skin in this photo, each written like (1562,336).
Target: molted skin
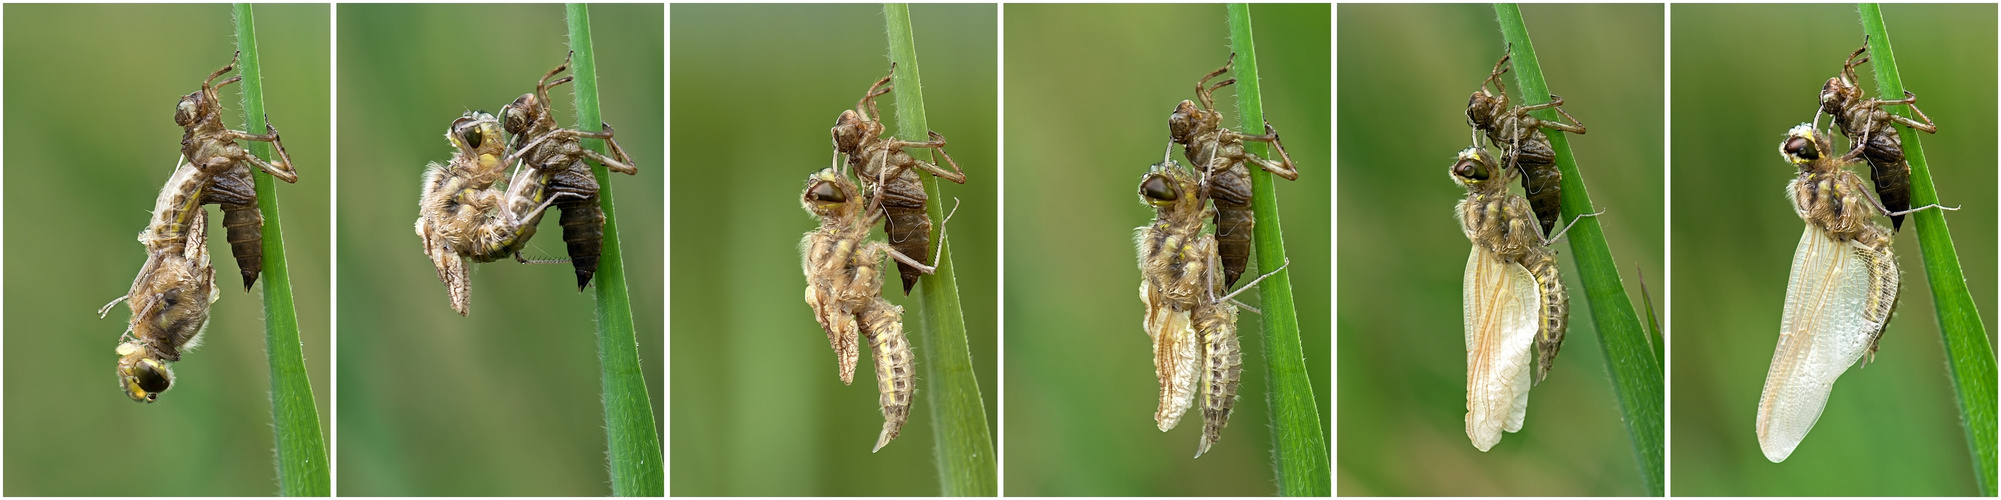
(1839,297)
(1870,128)
(557,173)
(887,171)
(1523,143)
(1219,154)
(223,170)
(844,287)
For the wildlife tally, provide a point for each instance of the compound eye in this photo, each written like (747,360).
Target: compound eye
(1469,169)
(1475,99)
(1156,188)
(152,377)
(1800,147)
(825,192)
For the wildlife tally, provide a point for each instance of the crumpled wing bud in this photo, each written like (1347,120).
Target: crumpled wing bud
(1176,360)
(1502,302)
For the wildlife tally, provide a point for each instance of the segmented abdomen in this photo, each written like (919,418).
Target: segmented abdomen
(583,219)
(1890,173)
(1223,359)
(1554,312)
(1230,188)
(908,225)
(895,377)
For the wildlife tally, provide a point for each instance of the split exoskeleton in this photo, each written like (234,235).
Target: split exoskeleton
(843,270)
(1523,143)
(556,172)
(1515,307)
(881,163)
(1218,153)
(1841,293)
(170,297)
(465,214)
(1871,128)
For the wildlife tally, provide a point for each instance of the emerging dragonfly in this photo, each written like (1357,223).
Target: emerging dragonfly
(1514,301)
(1840,296)
(1870,128)
(844,286)
(1523,143)
(1193,324)
(462,216)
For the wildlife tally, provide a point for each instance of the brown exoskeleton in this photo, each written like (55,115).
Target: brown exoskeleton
(883,166)
(1523,143)
(1218,153)
(556,169)
(1870,128)
(844,286)
(225,168)
(462,216)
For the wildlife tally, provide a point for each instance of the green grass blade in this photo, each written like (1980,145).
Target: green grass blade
(965,451)
(1968,356)
(630,436)
(1299,448)
(1636,373)
(302,450)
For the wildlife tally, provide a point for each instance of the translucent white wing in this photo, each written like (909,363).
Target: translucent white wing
(1176,357)
(1501,312)
(1827,326)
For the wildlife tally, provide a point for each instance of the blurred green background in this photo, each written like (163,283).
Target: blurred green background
(1742,76)
(90,141)
(1406,72)
(506,401)
(758,408)
(1089,91)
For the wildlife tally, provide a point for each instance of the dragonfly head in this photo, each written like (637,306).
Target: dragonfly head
(141,374)
(1804,146)
(1476,170)
(828,194)
(1189,122)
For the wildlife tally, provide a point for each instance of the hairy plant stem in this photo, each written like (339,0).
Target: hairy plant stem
(1299,448)
(632,440)
(964,450)
(1969,357)
(1635,370)
(301,449)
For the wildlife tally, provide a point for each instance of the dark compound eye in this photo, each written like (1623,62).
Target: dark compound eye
(1157,188)
(1469,169)
(826,192)
(151,377)
(470,135)
(1802,148)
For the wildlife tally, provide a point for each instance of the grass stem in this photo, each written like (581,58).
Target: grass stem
(301,449)
(630,435)
(964,449)
(1969,358)
(1299,446)
(1634,368)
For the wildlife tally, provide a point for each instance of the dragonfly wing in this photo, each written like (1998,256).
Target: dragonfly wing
(1827,326)
(1501,301)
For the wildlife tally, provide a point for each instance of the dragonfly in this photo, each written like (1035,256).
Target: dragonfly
(1516,309)
(1839,297)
